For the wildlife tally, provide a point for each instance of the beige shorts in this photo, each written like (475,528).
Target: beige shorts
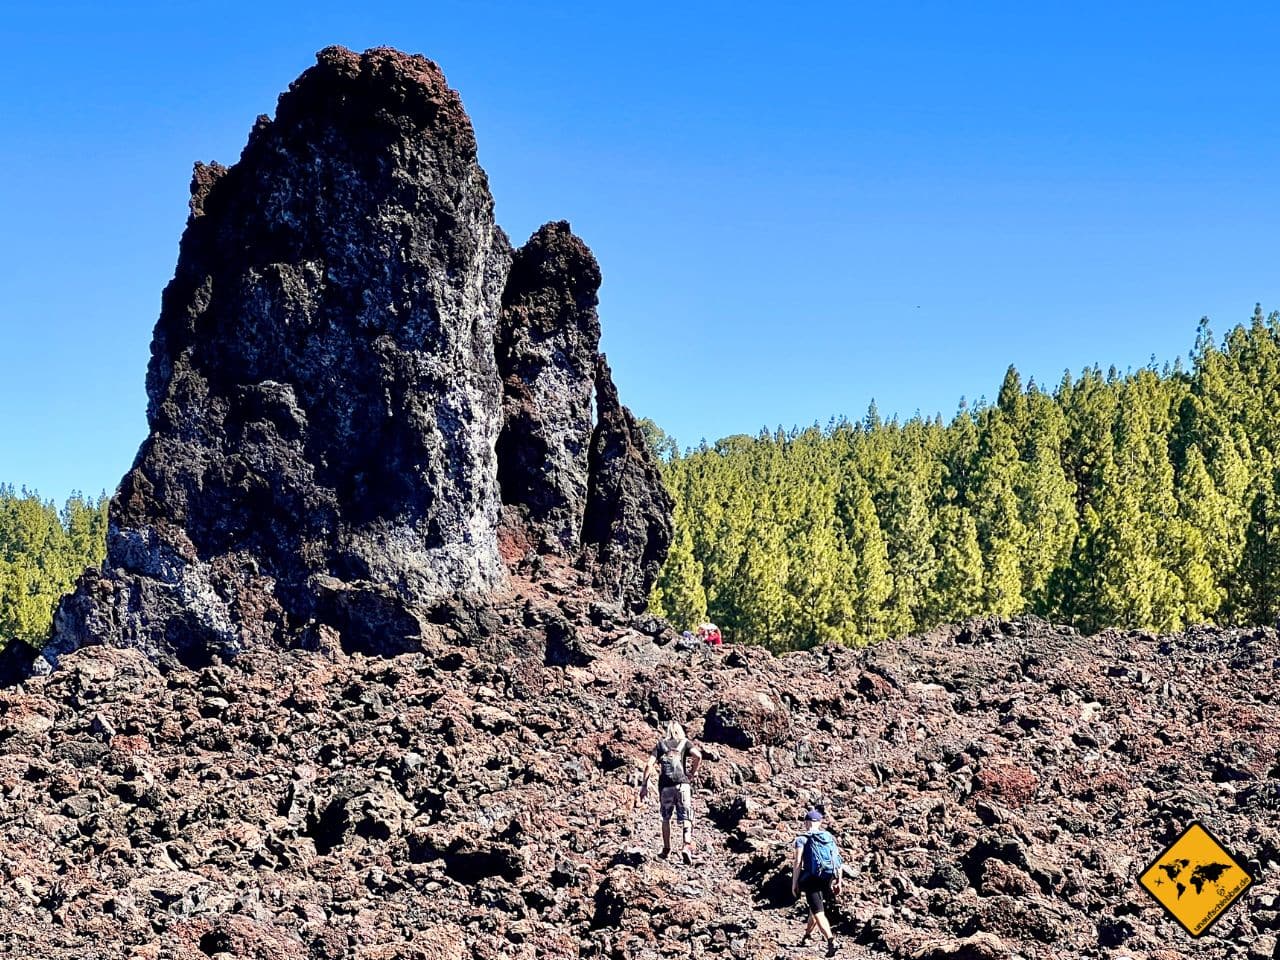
(678,800)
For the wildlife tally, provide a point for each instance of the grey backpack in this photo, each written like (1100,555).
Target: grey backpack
(671,770)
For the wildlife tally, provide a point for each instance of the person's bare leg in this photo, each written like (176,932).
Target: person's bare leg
(823,927)
(684,813)
(808,927)
(666,836)
(686,837)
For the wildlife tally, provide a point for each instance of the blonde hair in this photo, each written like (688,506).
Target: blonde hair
(675,731)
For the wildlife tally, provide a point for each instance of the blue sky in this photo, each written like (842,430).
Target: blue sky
(797,207)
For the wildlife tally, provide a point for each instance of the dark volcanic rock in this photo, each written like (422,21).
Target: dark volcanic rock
(337,414)
(747,716)
(548,338)
(323,396)
(628,525)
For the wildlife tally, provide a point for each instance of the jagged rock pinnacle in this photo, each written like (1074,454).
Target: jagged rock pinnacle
(341,399)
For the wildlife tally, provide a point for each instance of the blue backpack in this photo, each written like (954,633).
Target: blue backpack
(821,858)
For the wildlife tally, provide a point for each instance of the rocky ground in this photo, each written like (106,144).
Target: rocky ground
(997,788)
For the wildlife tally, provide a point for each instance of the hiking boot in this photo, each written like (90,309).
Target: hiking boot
(687,854)
(666,852)
(832,946)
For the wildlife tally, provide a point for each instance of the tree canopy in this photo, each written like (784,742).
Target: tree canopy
(42,551)
(1149,499)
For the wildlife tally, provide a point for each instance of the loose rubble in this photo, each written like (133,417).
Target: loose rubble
(997,788)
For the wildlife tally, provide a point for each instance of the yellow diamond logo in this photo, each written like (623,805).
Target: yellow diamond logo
(1195,880)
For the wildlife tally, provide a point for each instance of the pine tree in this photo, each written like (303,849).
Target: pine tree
(1143,499)
(1203,539)
(1046,502)
(661,444)
(757,607)
(819,583)
(38,562)
(957,588)
(872,580)
(913,482)
(1137,538)
(1257,579)
(996,512)
(679,595)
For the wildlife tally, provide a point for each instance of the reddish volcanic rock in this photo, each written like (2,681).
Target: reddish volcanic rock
(475,798)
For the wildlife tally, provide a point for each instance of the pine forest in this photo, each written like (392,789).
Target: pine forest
(1148,499)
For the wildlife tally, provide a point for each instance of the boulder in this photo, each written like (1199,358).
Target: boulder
(747,716)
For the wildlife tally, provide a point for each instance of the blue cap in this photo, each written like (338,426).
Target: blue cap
(813,815)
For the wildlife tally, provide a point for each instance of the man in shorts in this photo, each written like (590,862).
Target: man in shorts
(816,872)
(677,761)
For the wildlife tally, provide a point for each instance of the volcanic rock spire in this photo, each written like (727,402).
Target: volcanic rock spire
(342,398)
(627,527)
(548,338)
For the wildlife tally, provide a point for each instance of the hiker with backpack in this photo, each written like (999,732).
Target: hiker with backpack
(817,871)
(676,760)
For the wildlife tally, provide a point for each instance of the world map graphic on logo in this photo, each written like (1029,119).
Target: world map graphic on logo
(1201,874)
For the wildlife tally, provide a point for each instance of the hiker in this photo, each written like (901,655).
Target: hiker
(817,872)
(677,761)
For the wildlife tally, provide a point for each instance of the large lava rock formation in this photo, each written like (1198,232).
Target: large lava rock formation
(364,409)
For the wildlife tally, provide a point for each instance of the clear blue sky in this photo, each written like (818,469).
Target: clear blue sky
(797,207)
